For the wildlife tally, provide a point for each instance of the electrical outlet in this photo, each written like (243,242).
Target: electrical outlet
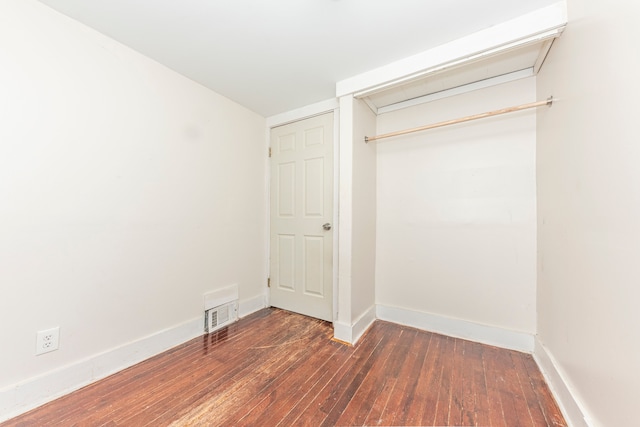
(48,340)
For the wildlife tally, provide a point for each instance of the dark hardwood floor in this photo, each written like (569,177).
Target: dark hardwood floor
(279,368)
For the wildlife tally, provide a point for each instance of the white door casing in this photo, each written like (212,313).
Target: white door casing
(301,242)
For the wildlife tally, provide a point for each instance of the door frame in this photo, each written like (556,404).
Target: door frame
(323,107)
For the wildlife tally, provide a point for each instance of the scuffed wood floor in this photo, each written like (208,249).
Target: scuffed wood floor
(279,368)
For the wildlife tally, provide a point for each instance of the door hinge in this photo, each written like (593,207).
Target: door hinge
(269,151)
(268,282)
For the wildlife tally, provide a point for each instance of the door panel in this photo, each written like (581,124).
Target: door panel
(301,203)
(313,266)
(286,268)
(314,188)
(286,178)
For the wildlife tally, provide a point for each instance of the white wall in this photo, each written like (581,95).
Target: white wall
(589,209)
(343,324)
(126,192)
(357,236)
(364,211)
(457,212)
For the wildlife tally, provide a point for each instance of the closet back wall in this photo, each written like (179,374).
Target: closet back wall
(456,206)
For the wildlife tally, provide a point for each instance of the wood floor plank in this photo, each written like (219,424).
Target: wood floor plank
(419,349)
(238,369)
(154,379)
(479,386)
(443,404)
(515,390)
(350,392)
(492,377)
(394,403)
(528,392)
(546,402)
(507,388)
(222,365)
(96,402)
(283,396)
(392,371)
(239,399)
(159,396)
(373,384)
(279,368)
(305,398)
(468,398)
(314,408)
(430,405)
(379,405)
(342,392)
(456,405)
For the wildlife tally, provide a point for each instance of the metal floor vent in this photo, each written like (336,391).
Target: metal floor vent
(220,316)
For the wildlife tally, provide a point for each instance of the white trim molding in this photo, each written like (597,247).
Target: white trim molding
(560,387)
(342,331)
(251,305)
(19,398)
(481,84)
(302,113)
(22,397)
(542,24)
(492,335)
(323,107)
(352,333)
(363,323)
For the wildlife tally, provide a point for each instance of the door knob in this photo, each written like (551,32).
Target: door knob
(326,226)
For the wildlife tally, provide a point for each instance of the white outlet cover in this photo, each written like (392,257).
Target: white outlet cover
(47,340)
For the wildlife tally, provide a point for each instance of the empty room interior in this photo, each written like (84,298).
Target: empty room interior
(321,189)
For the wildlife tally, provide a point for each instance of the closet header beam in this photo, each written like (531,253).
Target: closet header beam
(548,102)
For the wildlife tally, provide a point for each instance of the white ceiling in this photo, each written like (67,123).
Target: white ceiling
(273,56)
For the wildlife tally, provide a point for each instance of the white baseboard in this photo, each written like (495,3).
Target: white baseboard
(363,323)
(570,407)
(491,335)
(352,333)
(343,332)
(37,391)
(251,305)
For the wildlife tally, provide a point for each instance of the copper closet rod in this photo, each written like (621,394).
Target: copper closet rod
(548,102)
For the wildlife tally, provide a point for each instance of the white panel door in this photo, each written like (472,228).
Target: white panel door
(301,217)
